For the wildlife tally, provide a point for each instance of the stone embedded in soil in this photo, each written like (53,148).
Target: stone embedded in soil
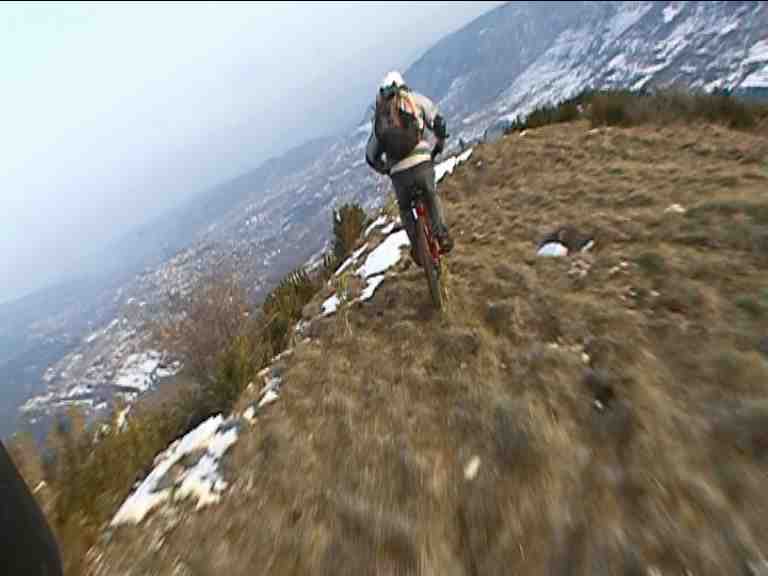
(600,387)
(472,468)
(763,346)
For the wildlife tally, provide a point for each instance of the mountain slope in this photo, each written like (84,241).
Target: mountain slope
(500,66)
(604,411)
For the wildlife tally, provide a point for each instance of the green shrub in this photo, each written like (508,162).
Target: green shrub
(349,222)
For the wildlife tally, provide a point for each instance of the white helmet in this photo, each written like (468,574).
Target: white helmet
(391,80)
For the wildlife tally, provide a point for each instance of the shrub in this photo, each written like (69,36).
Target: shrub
(624,108)
(349,222)
(566,111)
(283,306)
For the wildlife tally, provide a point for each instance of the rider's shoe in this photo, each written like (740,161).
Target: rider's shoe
(445,241)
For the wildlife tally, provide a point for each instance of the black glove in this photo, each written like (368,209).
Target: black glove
(438,149)
(439,128)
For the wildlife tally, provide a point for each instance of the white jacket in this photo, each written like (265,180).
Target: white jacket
(421,153)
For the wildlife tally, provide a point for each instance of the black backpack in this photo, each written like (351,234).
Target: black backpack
(397,129)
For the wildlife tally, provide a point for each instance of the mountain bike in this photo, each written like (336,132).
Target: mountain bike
(427,247)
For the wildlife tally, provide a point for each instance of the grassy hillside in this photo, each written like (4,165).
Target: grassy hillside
(605,412)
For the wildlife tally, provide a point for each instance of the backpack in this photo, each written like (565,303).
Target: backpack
(397,126)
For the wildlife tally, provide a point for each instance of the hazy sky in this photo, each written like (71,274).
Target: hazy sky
(112,113)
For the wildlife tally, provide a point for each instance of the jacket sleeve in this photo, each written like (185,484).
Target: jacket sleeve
(373,155)
(428,108)
(431,115)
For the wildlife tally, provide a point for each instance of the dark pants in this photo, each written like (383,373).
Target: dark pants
(421,176)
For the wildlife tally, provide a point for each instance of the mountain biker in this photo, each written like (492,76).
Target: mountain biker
(401,115)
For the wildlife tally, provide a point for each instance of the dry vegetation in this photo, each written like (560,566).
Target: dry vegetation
(613,406)
(87,471)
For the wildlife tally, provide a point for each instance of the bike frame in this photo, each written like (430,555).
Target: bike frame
(421,213)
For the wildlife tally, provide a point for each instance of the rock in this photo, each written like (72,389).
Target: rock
(311,310)
(675,209)
(600,387)
(763,346)
(569,238)
(554,249)
(499,317)
(472,468)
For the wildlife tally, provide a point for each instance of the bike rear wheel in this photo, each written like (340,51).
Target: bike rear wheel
(432,272)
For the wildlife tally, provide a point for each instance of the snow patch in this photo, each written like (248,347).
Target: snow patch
(331,305)
(268,398)
(389,227)
(201,481)
(370,288)
(351,260)
(671,11)
(168,371)
(758,53)
(554,249)
(447,166)
(93,337)
(122,418)
(386,255)
(674,209)
(375,224)
(626,18)
(139,371)
(36,403)
(250,414)
(758,79)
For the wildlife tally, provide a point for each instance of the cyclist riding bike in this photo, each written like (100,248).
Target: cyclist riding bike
(397,148)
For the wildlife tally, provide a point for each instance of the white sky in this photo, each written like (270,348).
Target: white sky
(111,113)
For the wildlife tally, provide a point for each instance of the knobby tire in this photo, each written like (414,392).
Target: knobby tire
(433,274)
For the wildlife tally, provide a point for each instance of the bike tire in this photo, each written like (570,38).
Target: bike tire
(433,274)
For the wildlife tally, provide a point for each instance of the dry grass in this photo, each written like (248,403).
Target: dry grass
(619,418)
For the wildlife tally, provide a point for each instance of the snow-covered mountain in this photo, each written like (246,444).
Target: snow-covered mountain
(500,66)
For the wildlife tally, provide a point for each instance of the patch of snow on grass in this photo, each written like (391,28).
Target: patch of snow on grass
(93,337)
(169,371)
(389,227)
(201,481)
(122,418)
(758,79)
(447,166)
(370,288)
(138,371)
(375,224)
(268,398)
(386,255)
(250,414)
(758,53)
(330,305)
(626,17)
(352,259)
